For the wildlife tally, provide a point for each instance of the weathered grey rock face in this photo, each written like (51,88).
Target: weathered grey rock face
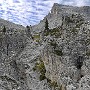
(12,43)
(58,59)
(56,13)
(69,66)
(11,25)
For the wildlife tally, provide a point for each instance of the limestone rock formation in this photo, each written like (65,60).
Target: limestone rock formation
(55,59)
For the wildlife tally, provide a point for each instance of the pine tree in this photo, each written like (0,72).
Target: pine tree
(4,29)
(46,25)
(28,31)
(7,48)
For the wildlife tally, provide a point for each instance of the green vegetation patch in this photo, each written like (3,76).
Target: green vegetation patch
(36,37)
(40,67)
(57,51)
(53,32)
(42,77)
(74,31)
(54,84)
(46,33)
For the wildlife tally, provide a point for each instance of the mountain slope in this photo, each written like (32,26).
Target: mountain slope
(9,25)
(66,55)
(57,58)
(56,13)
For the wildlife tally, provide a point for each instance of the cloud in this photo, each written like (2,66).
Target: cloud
(76,2)
(28,12)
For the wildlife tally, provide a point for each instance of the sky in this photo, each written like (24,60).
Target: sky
(30,12)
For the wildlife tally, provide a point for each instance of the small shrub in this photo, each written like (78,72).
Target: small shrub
(54,44)
(77,26)
(42,77)
(53,32)
(37,40)
(58,52)
(54,84)
(88,53)
(79,62)
(4,29)
(36,37)
(46,33)
(40,67)
(35,67)
(73,31)
(87,41)
(62,87)
(46,24)
(48,80)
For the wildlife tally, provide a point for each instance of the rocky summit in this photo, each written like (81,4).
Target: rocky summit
(52,55)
